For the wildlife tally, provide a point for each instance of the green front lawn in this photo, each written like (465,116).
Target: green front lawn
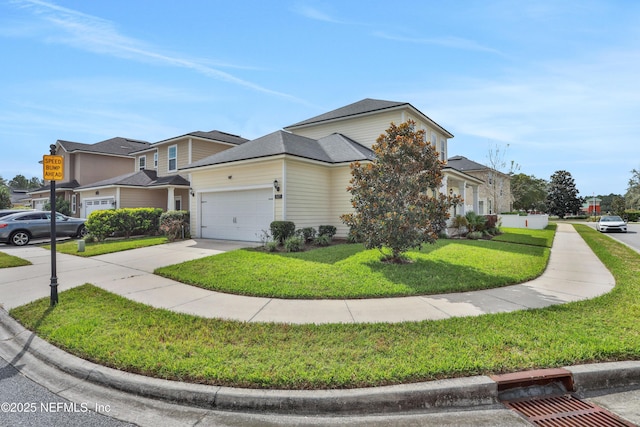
(116,332)
(350,271)
(7,261)
(107,247)
(527,236)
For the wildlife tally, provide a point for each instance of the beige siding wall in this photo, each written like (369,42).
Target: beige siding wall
(243,176)
(308,196)
(340,198)
(163,157)
(90,168)
(142,198)
(364,130)
(148,162)
(202,149)
(367,129)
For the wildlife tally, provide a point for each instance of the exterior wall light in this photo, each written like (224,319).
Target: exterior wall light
(276,185)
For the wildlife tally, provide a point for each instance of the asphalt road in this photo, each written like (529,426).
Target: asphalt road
(631,237)
(25,403)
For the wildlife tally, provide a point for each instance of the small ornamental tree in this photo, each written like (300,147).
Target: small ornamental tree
(395,197)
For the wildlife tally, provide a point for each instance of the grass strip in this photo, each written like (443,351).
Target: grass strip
(107,247)
(7,261)
(116,332)
(350,271)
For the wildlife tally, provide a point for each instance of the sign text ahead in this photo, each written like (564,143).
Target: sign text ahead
(53,168)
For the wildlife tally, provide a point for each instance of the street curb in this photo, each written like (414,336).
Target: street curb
(479,392)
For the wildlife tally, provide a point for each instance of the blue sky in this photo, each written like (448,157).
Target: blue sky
(555,84)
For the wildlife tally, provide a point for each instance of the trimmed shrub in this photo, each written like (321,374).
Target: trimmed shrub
(327,230)
(475,222)
(293,244)
(175,224)
(271,246)
(100,224)
(491,222)
(475,235)
(322,240)
(307,233)
(282,230)
(632,215)
(123,222)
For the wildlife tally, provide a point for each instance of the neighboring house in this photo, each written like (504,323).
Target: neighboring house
(19,198)
(153,179)
(301,173)
(87,163)
(494,195)
(591,206)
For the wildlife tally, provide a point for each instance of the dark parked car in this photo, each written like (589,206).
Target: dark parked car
(18,229)
(5,212)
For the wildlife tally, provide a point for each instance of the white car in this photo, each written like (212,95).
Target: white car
(611,223)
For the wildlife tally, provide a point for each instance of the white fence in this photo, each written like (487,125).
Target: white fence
(536,222)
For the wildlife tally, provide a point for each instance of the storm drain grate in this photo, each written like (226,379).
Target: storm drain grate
(565,411)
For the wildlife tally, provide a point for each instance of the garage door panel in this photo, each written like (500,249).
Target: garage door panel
(237,215)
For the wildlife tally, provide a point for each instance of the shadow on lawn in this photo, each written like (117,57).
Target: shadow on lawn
(428,277)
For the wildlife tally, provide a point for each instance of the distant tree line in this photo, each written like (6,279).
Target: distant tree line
(559,196)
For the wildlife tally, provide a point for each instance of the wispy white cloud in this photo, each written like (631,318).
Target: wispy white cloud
(94,34)
(449,42)
(315,14)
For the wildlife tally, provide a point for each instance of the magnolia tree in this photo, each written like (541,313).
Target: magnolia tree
(397,205)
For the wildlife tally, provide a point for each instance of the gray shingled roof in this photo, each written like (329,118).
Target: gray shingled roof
(213,135)
(67,185)
(115,146)
(366,105)
(334,148)
(143,178)
(463,164)
(216,135)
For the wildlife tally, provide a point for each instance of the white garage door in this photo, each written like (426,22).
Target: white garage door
(236,215)
(96,205)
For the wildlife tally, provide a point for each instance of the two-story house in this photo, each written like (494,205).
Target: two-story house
(152,179)
(301,173)
(495,194)
(88,163)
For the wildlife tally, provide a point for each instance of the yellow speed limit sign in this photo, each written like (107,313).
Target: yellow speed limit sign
(53,168)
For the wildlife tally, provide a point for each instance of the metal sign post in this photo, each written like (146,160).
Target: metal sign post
(53,167)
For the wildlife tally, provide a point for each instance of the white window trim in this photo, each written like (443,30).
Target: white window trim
(169,158)
(155,160)
(73,203)
(142,163)
(177,199)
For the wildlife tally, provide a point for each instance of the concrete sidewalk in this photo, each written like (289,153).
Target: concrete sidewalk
(573,273)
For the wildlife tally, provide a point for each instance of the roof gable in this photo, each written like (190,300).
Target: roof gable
(364,106)
(142,178)
(114,146)
(461,163)
(334,148)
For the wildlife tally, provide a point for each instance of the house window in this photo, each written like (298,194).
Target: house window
(178,203)
(443,149)
(173,158)
(434,140)
(142,162)
(155,160)
(73,203)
